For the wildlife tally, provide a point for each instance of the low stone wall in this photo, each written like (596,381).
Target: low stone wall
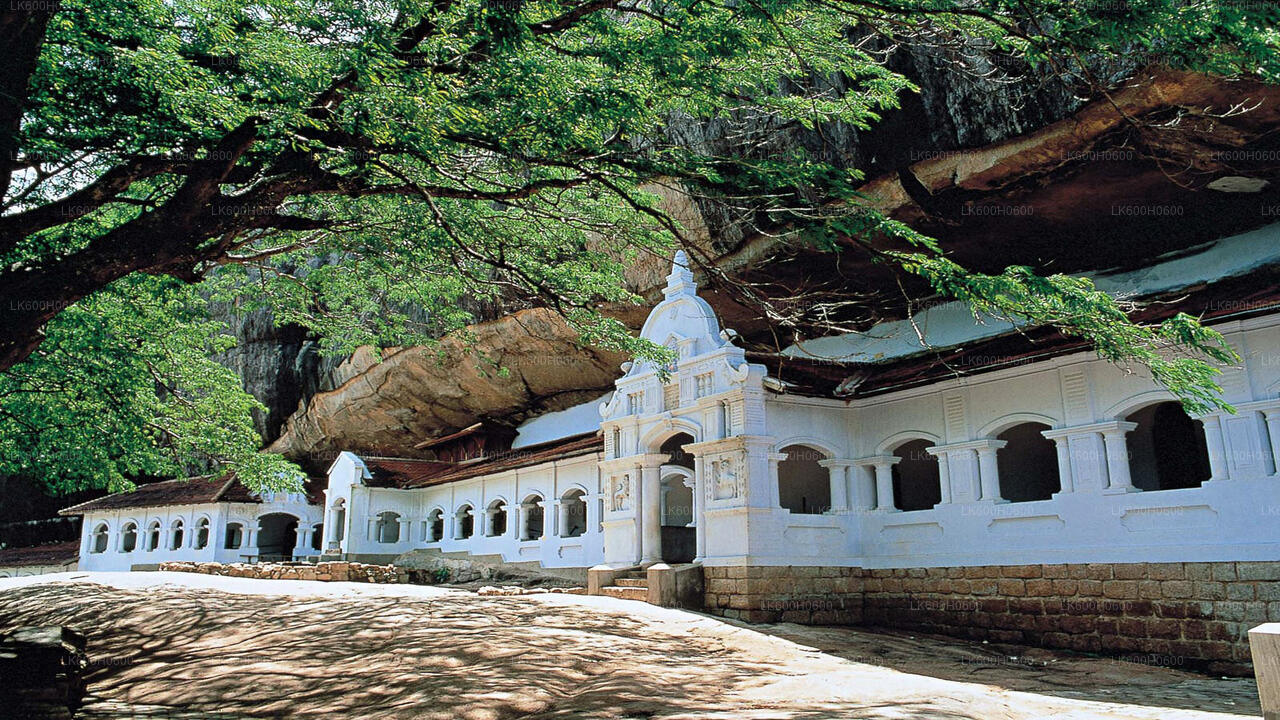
(1188,615)
(324,572)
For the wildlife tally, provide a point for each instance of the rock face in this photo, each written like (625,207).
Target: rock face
(522,364)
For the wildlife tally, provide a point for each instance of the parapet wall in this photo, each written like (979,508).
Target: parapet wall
(1189,615)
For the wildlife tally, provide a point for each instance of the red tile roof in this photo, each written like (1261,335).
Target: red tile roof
(193,491)
(63,553)
(409,473)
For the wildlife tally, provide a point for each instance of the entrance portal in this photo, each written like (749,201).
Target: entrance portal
(277,536)
(679,537)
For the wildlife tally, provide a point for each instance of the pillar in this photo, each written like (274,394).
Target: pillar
(650,520)
(1118,477)
(548,520)
(944,479)
(989,471)
(1062,444)
(406,529)
(699,528)
(1218,469)
(1272,418)
(839,487)
(562,518)
(884,485)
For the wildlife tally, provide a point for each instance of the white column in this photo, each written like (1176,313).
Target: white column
(839,487)
(548,520)
(1062,444)
(884,485)
(562,515)
(944,479)
(989,471)
(406,530)
(650,520)
(1273,431)
(699,528)
(1118,477)
(1218,468)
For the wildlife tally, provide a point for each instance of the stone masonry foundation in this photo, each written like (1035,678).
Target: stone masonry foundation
(1188,615)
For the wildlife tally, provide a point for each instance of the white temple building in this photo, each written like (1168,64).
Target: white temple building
(813,479)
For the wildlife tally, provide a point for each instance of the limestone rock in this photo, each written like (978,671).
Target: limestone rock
(415,393)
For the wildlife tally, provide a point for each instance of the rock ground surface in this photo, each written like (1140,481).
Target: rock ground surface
(179,645)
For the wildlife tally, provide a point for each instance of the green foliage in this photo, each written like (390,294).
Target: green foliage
(124,387)
(412,165)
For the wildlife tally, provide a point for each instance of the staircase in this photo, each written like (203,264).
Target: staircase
(632,585)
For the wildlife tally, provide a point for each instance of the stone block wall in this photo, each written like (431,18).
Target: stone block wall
(1188,615)
(324,572)
(809,595)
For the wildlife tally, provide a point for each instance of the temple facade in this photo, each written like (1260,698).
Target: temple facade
(953,473)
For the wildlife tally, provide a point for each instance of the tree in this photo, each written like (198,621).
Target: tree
(371,167)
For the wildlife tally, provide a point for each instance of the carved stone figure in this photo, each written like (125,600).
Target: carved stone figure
(621,493)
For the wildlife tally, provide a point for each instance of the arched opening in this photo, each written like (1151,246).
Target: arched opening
(277,536)
(804,486)
(99,544)
(202,534)
(235,536)
(176,531)
(464,520)
(917,484)
(153,536)
(387,527)
(339,520)
(679,537)
(129,538)
(495,515)
(317,536)
(1167,450)
(573,513)
(433,526)
(533,520)
(1027,464)
(673,448)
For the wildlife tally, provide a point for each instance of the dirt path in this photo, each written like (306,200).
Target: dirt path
(176,646)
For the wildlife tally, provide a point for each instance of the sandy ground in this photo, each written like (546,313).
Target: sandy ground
(178,645)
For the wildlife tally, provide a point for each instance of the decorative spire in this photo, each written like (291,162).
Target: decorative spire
(680,281)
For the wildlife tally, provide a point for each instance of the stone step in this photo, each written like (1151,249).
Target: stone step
(631,582)
(626,593)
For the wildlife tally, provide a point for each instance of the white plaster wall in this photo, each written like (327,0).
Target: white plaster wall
(219,514)
(550,481)
(1229,518)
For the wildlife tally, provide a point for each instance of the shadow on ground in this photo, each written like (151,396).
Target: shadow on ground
(175,651)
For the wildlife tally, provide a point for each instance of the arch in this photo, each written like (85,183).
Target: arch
(573,512)
(673,448)
(804,486)
(1167,450)
(652,441)
(888,445)
(433,526)
(1027,465)
(917,479)
(339,519)
(532,516)
(1004,422)
(129,536)
(495,517)
(234,536)
(1134,403)
(101,536)
(202,533)
(386,527)
(177,533)
(677,498)
(153,535)
(813,443)
(464,522)
(277,535)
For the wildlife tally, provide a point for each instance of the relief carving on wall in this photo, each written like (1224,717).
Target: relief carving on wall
(621,493)
(726,481)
